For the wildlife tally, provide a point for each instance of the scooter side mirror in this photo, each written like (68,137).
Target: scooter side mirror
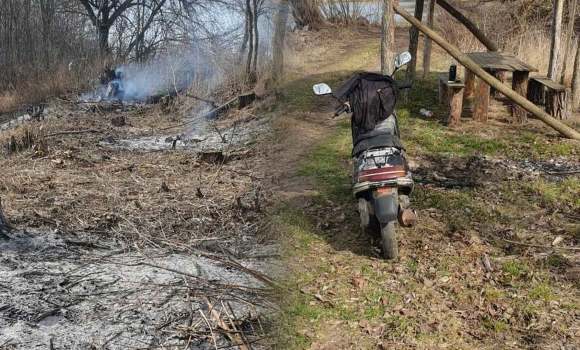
(322,89)
(402,59)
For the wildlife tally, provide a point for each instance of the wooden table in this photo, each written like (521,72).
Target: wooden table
(497,64)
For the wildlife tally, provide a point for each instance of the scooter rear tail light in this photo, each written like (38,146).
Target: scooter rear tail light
(381,174)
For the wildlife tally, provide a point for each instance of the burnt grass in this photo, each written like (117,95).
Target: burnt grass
(118,244)
(492,262)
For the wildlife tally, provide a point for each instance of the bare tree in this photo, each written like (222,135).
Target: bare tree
(103,15)
(278,40)
(569,32)
(556,34)
(576,81)
(307,13)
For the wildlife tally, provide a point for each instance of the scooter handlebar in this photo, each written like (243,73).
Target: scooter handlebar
(345,108)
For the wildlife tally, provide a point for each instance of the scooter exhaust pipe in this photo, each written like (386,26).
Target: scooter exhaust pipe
(407,218)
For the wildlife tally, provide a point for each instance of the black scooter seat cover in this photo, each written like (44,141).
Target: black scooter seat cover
(375,139)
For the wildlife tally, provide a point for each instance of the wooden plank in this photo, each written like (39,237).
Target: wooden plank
(549,83)
(444,78)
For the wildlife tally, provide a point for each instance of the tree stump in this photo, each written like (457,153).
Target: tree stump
(118,121)
(455,106)
(536,92)
(501,76)
(4,227)
(469,84)
(557,104)
(520,85)
(246,99)
(481,101)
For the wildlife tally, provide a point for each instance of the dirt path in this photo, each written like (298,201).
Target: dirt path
(479,269)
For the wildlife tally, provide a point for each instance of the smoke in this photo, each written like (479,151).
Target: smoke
(211,52)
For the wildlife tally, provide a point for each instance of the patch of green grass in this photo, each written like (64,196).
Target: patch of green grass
(495,325)
(543,147)
(557,261)
(541,291)
(329,164)
(458,207)
(562,194)
(514,268)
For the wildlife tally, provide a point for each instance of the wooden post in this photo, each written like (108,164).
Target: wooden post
(470,25)
(483,75)
(520,85)
(501,76)
(388,38)
(556,33)
(569,32)
(414,42)
(427,47)
(455,106)
(481,101)
(469,84)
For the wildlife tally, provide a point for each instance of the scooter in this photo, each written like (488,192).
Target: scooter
(382,179)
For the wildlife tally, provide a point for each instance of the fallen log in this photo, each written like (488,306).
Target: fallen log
(469,25)
(488,78)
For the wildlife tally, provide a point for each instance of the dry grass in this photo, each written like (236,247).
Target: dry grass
(82,187)
(529,41)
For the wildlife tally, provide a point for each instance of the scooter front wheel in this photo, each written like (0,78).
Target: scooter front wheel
(389,241)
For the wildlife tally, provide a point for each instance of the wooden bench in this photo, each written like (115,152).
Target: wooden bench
(553,96)
(451,95)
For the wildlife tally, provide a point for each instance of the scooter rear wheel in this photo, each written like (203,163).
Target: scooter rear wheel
(389,241)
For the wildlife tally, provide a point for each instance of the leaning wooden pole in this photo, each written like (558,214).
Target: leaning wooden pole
(469,24)
(487,78)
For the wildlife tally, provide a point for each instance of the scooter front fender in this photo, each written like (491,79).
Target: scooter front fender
(386,207)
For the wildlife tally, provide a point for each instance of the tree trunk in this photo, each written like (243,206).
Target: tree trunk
(307,13)
(477,70)
(256,38)
(556,33)
(388,38)
(470,25)
(414,42)
(569,32)
(104,38)
(427,48)
(576,81)
(250,18)
(280,22)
